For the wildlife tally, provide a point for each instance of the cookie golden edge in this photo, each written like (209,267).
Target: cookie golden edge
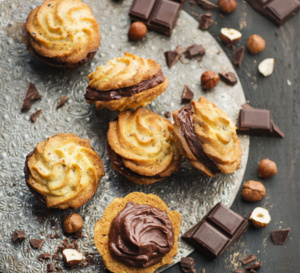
(83,196)
(102,227)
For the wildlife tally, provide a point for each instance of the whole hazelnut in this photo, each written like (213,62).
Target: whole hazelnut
(256,44)
(266,168)
(253,191)
(209,80)
(227,6)
(137,31)
(72,223)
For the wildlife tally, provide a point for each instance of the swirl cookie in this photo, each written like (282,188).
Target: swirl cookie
(125,83)
(207,138)
(63,171)
(62,33)
(141,146)
(124,235)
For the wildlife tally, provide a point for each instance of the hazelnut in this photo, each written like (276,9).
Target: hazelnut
(256,44)
(266,67)
(72,223)
(137,31)
(253,191)
(230,35)
(71,257)
(209,80)
(266,168)
(260,217)
(227,6)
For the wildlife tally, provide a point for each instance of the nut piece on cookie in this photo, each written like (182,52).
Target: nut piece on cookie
(135,213)
(58,36)
(207,138)
(63,171)
(142,146)
(125,83)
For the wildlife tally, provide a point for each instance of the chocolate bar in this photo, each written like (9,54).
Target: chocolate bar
(216,231)
(257,122)
(279,11)
(158,15)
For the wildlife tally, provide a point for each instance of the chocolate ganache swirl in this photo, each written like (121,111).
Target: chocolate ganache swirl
(185,117)
(115,94)
(140,235)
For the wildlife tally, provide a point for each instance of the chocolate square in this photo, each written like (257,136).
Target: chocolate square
(282,9)
(141,9)
(255,119)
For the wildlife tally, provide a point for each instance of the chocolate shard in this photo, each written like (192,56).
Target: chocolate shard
(219,228)
(205,4)
(172,56)
(255,266)
(44,256)
(55,257)
(167,114)
(50,268)
(31,95)
(205,21)
(18,236)
(62,101)
(238,56)
(35,115)
(240,270)
(194,51)
(187,95)
(228,77)
(188,265)
(36,243)
(279,237)
(249,259)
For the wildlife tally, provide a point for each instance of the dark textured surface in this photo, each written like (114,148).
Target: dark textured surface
(281,94)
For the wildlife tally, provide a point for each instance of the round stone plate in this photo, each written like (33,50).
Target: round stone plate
(185,191)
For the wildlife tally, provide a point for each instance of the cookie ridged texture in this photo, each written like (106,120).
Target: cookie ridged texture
(146,143)
(65,171)
(102,228)
(63,29)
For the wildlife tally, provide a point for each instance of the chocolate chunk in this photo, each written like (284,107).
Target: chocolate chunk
(278,11)
(167,114)
(254,266)
(219,228)
(173,55)
(35,115)
(55,257)
(228,77)
(44,256)
(77,235)
(89,260)
(238,56)
(62,101)
(249,259)
(279,237)
(205,21)
(31,95)
(188,265)
(257,122)
(194,51)
(36,243)
(18,236)
(187,95)
(240,270)
(50,268)
(158,15)
(205,4)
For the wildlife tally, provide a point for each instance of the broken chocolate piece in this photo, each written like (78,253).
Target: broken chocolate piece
(205,4)
(44,256)
(219,228)
(31,95)
(249,259)
(238,56)
(172,56)
(50,268)
(36,243)
(240,270)
(18,236)
(188,265)
(167,114)
(194,51)
(205,21)
(55,257)
(35,115)
(279,237)
(62,101)
(187,95)
(254,266)
(228,77)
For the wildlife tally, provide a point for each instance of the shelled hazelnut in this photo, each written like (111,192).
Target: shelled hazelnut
(72,223)
(230,35)
(209,80)
(71,257)
(227,6)
(260,217)
(256,44)
(253,191)
(266,168)
(137,31)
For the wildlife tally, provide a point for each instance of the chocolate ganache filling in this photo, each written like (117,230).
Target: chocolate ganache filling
(140,235)
(185,117)
(115,94)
